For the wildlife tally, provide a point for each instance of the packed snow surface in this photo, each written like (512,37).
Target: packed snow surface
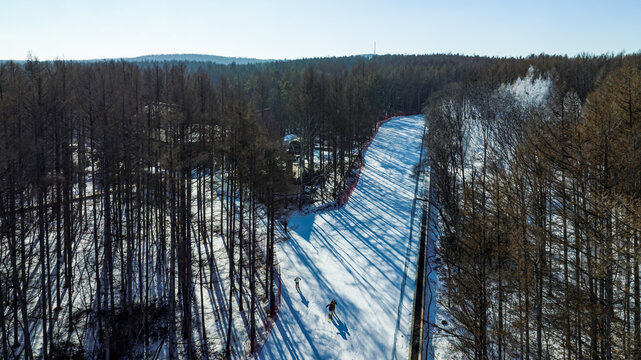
(361,255)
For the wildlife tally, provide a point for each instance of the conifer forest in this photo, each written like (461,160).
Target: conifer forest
(142,203)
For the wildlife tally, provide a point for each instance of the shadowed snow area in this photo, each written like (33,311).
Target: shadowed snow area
(359,255)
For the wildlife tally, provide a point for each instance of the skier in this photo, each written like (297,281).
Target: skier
(297,280)
(331,306)
(285,225)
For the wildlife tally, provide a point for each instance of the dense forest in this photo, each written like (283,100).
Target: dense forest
(118,179)
(539,202)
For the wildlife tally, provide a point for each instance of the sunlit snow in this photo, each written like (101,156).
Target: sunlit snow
(360,255)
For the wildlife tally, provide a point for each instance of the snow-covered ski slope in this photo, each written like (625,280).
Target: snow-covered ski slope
(361,255)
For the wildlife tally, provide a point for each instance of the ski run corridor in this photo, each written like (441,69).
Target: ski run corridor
(361,256)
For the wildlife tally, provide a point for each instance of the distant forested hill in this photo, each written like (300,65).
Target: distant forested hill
(198,57)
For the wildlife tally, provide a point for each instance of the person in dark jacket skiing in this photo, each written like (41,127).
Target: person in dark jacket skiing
(331,306)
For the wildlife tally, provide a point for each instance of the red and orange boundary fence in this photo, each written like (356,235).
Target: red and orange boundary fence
(345,195)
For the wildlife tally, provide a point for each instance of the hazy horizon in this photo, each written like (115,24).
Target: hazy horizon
(34,56)
(76,30)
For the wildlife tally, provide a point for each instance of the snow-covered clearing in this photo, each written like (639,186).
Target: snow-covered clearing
(362,255)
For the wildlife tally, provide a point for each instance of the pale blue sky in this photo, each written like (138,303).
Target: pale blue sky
(277,29)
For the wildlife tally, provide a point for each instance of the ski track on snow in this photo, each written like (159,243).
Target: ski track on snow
(357,256)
